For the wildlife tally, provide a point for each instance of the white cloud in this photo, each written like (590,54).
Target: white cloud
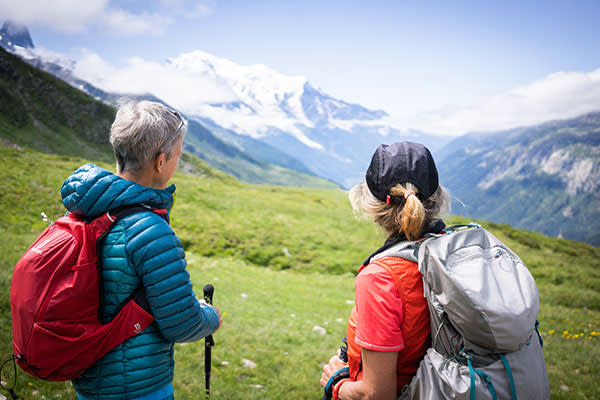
(93,68)
(74,16)
(131,24)
(184,90)
(61,15)
(202,8)
(190,8)
(560,95)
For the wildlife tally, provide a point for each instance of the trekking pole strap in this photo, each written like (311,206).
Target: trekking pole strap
(337,376)
(10,390)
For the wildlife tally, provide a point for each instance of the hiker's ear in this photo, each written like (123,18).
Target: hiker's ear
(160,161)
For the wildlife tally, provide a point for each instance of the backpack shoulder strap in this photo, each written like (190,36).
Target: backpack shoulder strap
(397,279)
(104,223)
(124,211)
(115,215)
(407,250)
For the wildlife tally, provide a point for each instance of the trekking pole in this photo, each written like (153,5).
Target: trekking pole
(208,342)
(10,390)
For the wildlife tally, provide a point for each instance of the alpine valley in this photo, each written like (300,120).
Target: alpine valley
(278,129)
(544,178)
(268,116)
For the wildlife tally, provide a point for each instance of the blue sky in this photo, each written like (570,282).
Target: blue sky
(412,59)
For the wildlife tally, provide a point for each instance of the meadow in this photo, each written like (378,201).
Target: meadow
(282,261)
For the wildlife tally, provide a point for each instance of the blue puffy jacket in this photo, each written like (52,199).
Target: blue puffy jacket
(140,249)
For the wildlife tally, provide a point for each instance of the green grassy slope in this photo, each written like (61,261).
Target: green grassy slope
(235,235)
(44,113)
(231,158)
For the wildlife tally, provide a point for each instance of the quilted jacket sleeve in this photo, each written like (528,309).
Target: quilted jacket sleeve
(159,261)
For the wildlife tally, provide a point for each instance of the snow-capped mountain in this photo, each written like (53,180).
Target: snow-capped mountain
(334,138)
(265,99)
(13,35)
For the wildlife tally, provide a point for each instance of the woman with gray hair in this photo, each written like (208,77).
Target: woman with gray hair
(140,251)
(388,330)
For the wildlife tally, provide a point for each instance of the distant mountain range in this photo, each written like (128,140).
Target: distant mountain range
(271,117)
(333,138)
(280,129)
(544,178)
(272,167)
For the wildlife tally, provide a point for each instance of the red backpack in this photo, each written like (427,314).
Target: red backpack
(55,300)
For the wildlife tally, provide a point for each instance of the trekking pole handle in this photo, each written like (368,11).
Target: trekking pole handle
(209,290)
(208,343)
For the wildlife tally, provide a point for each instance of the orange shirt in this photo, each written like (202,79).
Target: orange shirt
(390,314)
(379,310)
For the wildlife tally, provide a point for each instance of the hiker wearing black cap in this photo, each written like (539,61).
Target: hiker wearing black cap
(389,330)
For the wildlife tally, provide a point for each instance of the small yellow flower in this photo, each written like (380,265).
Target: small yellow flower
(551,332)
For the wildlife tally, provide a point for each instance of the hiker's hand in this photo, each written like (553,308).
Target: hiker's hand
(329,369)
(220,318)
(203,303)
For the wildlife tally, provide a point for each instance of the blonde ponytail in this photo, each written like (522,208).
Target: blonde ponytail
(411,217)
(408,216)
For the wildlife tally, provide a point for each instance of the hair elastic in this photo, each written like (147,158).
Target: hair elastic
(408,193)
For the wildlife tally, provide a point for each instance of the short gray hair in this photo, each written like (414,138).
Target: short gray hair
(143,130)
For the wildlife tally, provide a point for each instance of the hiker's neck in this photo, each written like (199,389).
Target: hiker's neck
(145,177)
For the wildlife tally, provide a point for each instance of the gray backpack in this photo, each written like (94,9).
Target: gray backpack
(483,304)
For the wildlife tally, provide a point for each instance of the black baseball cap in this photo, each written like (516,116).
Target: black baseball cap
(402,162)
